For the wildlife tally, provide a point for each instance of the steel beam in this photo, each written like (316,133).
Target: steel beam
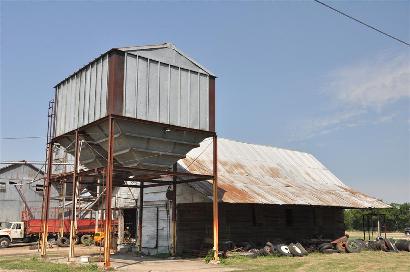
(46,200)
(108,194)
(174,212)
(215,198)
(74,198)
(140,214)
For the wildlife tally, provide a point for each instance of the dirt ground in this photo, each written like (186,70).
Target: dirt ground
(122,262)
(361,262)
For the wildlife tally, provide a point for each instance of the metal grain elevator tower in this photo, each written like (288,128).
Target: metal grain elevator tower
(130,115)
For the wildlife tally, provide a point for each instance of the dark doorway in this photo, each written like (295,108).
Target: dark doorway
(130,221)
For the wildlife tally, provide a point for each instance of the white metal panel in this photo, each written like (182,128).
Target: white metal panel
(104,87)
(193,106)
(174,99)
(142,88)
(91,111)
(184,101)
(203,107)
(166,93)
(153,91)
(81,78)
(98,90)
(82,98)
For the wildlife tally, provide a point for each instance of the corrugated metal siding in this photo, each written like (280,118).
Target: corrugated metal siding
(267,175)
(255,223)
(82,98)
(11,204)
(162,92)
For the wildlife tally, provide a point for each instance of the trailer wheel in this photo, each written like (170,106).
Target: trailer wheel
(4,242)
(403,245)
(341,247)
(304,251)
(284,250)
(63,242)
(325,246)
(295,250)
(353,246)
(86,240)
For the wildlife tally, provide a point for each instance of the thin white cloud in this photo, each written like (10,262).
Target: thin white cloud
(367,86)
(325,125)
(373,83)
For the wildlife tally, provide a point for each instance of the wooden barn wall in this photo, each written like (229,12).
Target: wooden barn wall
(256,223)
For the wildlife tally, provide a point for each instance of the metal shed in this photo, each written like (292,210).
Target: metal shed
(21,190)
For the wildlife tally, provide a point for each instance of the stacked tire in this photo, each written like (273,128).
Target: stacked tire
(402,245)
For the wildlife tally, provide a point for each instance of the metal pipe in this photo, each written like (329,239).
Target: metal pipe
(174,212)
(97,213)
(74,198)
(108,194)
(364,229)
(140,214)
(46,200)
(64,186)
(215,198)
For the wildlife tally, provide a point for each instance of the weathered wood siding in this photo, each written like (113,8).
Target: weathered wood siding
(256,223)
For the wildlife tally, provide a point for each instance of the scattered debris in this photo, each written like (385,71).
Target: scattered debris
(296,249)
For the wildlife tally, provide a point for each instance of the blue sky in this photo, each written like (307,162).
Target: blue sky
(290,74)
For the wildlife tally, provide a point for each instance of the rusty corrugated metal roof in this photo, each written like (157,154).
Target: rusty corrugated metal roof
(251,173)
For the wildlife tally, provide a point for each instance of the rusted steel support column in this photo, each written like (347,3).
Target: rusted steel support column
(108,194)
(46,200)
(174,212)
(215,198)
(140,213)
(74,198)
(64,185)
(97,212)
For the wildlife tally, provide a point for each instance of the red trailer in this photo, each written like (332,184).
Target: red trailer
(29,231)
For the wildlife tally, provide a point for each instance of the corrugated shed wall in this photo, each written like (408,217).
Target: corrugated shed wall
(165,93)
(11,204)
(255,223)
(82,98)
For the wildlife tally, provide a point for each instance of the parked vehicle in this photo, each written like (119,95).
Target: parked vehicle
(29,231)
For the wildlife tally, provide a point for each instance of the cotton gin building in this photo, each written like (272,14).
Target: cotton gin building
(127,117)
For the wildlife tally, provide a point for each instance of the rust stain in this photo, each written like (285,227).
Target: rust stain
(253,177)
(235,193)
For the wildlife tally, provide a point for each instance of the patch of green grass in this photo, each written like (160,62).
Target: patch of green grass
(317,262)
(36,264)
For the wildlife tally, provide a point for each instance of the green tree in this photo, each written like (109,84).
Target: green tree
(397,217)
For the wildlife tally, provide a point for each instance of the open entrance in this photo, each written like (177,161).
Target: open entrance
(130,221)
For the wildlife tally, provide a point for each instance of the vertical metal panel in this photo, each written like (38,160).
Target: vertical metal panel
(104,87)
(153,91)
(165,93)
(184,101)
(76,101)
(193,106)
(82,98)
(91,111)
(130,84)
(174,100)
(204,107)
(142,88)
(87,95)
(98,90)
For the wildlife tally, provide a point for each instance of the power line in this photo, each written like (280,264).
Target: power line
(21,138)
(361,22)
